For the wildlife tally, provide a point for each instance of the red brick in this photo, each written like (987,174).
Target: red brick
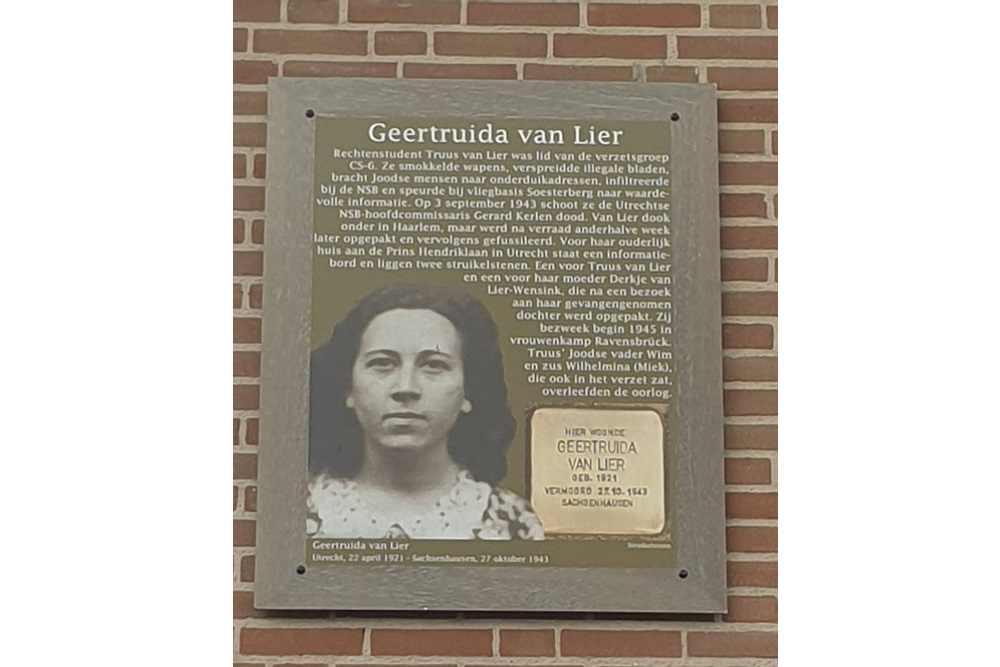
(733,644)
(750,436)
(748,111)
(654,16)
(746,402)
(246,329)
(239,166)
(403,11)
(748,173)
(512,45)
(246,364)
(246,397)
(734,16)
(349,69)
(538,71)
(241,37)
(252,431)
(621,643)
(718,48)
(253,71)
(751,505)
(332,42)
(741,141)
(257,296)
(740,205)
(257,232)
(433,71)
(750,369)
(775,200)
(247,103)
(248,198)
(244,532)
(247,565)
(751,574)
(774,145)
(748,471)
(431,642)
(609,46)
(516,13)
(744,78)
(744,268)
(772,17)
(671,74)
(250,134)
(301,641)
(313,11)
(259,166)
(400,43)
(749,238)
(525,643)
(236,497)
(749,303)
(243,605)
(256,11)
(238,230)
(408,663)
(248,263)
(244,465)
(747,337)
(236,431)
(751,539)
(746,609)
(250,499)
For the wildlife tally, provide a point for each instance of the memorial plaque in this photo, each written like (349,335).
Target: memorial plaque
(491,348)
(598,471)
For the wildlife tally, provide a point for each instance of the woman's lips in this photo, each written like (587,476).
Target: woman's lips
(403,415)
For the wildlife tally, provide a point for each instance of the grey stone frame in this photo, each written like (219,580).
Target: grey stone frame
(698,584)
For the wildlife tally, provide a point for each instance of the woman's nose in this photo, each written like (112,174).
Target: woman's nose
(407,385)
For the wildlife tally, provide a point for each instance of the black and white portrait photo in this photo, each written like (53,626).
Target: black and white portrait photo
(410,423)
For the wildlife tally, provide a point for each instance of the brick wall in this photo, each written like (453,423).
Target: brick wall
(732,45)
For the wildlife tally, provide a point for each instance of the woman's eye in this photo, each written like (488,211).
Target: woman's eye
(437,365)
(379,363)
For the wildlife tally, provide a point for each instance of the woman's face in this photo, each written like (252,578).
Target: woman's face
(407,383)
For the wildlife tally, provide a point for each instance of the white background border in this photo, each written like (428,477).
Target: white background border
(116,355)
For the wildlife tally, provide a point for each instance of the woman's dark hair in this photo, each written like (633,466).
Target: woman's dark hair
(478,441)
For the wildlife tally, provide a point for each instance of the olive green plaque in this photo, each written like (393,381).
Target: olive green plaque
(491,348)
